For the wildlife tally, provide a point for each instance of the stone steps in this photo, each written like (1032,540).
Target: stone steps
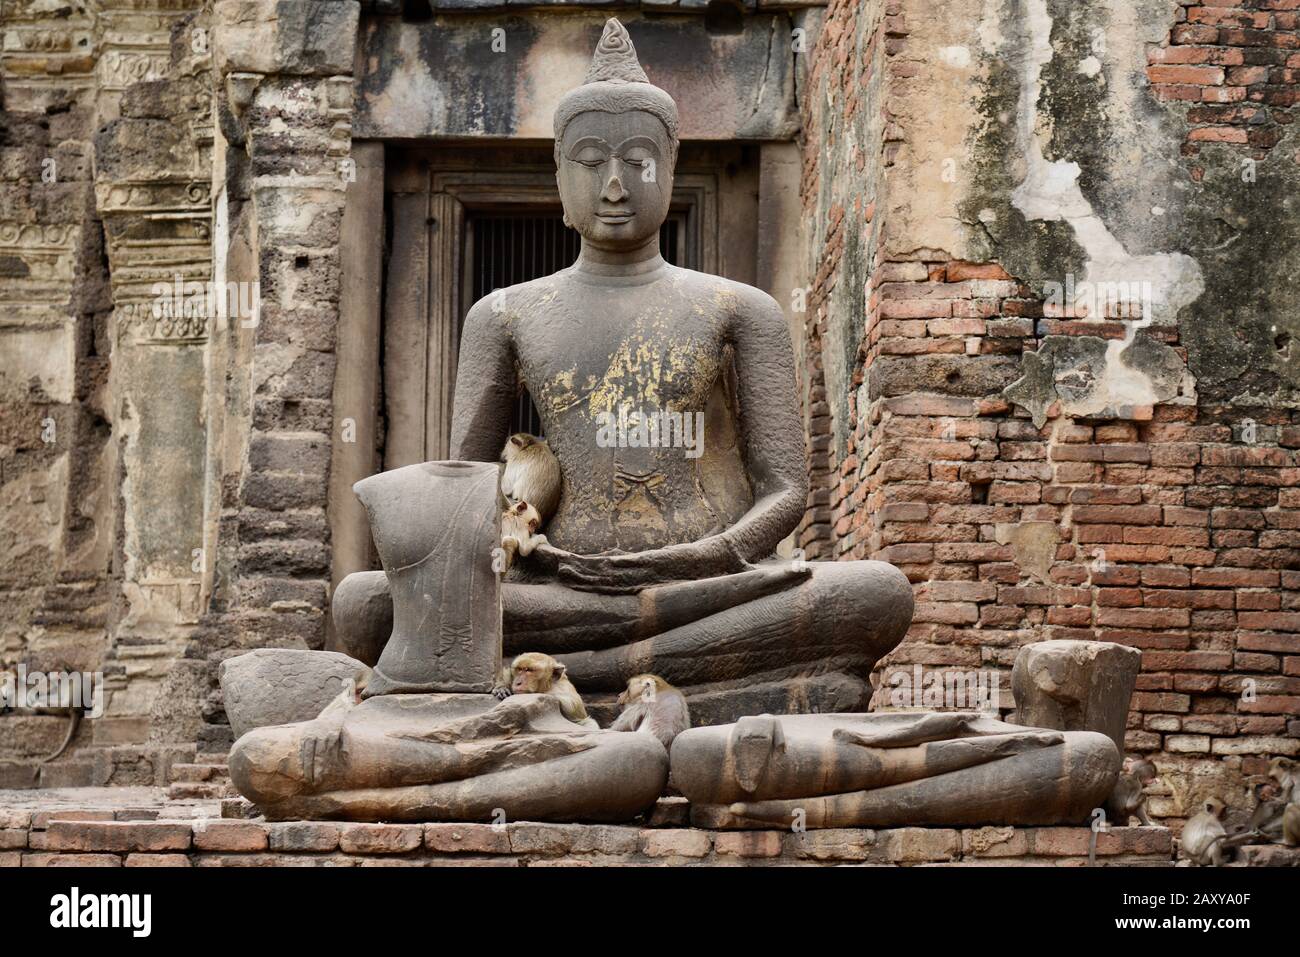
(200,790)
(199,771)
(207,778)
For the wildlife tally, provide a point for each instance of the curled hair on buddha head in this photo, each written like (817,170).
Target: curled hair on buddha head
(615,83)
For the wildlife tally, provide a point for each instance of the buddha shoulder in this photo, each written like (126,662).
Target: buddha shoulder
(505,305)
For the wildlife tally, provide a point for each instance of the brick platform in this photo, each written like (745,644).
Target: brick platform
(140,827)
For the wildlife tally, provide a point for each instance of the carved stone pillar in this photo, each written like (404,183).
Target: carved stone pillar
(285,102)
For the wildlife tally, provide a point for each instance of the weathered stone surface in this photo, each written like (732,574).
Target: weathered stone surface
(676,843)
(303,836)
(363,615)
(309,37)
(117,836)
(380,838)
(739,84)
(279,685)
(229,836)
(156,860)
(832,844)
(467,838)
(1076,686)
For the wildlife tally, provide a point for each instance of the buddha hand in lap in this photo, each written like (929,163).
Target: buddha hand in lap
(656,551)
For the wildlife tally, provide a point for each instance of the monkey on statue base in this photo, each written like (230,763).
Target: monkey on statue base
(1202,839)
(1127,799)
(653,706)
(532,474)
(535,673)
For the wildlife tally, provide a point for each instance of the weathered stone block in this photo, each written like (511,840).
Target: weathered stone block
(832,844)
(157,860)
(673,842)
(229,836)
(280,686)
(380,838)
(307,37)
(117,836)
(71,860)
(315,836)
(748,843)
(466,839)
(914,845)
(1076,686)
(41,819)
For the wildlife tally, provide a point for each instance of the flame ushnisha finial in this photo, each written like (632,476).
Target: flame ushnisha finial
(615,83)
(615,57)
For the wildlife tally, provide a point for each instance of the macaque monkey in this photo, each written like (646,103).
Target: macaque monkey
(519,535)
(1202,839)
(535,673)
(532,474)
(1127,799)
(1291,825)
(1265,824)
(1287,775)
(653,706)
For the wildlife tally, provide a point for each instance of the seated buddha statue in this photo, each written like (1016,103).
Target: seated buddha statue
(660,556)
(668,399)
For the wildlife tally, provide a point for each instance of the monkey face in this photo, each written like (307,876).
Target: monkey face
(638,689)
(530,679)
(535,674)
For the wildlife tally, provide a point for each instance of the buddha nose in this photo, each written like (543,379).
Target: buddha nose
(614,191)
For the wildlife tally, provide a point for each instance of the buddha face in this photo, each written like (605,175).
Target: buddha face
(616,177)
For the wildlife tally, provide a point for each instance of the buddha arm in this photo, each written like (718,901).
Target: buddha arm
(771,431)
(485,387)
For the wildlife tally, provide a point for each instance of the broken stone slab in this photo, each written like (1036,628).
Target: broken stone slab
(1076,686)
(273,686)
(932,769)
(448,757)
(363,615)
(294,37)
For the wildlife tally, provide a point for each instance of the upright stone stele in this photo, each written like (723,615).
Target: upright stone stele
(1076,686)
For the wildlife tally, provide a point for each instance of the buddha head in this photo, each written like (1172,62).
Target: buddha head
(615,148)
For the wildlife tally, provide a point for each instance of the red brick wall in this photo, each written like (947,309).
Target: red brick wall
(1176,531)
(1236,63)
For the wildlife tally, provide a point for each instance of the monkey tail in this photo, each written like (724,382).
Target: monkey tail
(74,722)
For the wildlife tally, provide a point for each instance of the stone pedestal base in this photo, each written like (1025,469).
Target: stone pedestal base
(109,833)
